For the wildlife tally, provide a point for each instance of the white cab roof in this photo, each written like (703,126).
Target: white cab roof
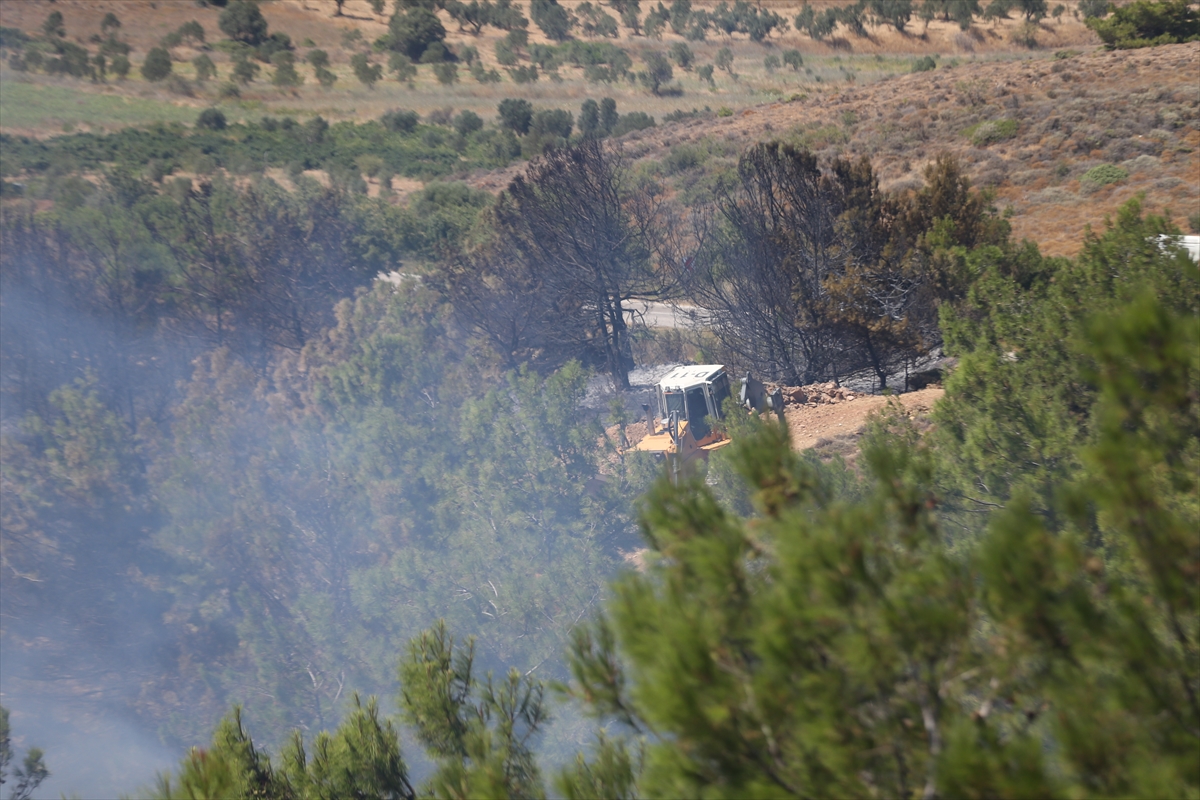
(683,377)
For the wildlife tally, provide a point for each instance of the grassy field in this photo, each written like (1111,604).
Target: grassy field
(40,106)
(836,62)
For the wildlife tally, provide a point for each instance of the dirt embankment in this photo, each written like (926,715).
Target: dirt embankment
(838,425)
(833,424)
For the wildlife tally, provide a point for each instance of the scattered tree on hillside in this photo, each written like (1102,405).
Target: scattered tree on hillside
(110,24)
(285,70)
(53,27)
(516,114)
(554,20)
(413,31)
(157,66)
(206,70)
(368,73)
(244,70)
(243,22)
(658,72)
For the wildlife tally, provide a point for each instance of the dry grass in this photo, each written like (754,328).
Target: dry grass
(1137,109)
(838,61)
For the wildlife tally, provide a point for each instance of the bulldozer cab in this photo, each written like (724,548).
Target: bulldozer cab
(693,393)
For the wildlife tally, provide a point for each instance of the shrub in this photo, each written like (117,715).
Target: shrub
(683,157)
(793,59)
(1146,24)
(400,120)
(524,74)
(552,122)
(771,62)
(1025,35)
(924,64)
(483,75)
(366,72)
(369,164)
(705,73)
(633,121)
(515,115)
(317,58)
(211,119)
(1093,8)
(325,77)
(402,67)
(506,56)
(176,84)
(229,91)
(1105,174)
(413,31)
(191,30)
(446,72)
(157,65)
(986,133)
(244,70)
(554,20)
(440,116)
(682,55)
(724,111)
(205,68)
(435,53)
(724,60)
(467,123)
(285,70)
(658,72)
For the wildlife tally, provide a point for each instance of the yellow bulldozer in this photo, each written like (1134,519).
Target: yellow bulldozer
(683,402)
(678,414)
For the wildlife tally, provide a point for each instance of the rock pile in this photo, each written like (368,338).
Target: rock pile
(814,394)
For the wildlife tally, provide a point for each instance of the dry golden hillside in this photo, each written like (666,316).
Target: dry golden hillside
(1052,120)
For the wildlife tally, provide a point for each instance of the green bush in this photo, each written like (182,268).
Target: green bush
(211,119)
(243,22)
(414,31)
(157,65)
(924,64)
(446,72)
(1105,174)
(400,121)
(633,121)
(1147,24)
(986,133)
(205,68)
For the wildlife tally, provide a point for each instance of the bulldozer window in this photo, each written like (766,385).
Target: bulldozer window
(697,410)
(720,391)
(673,401)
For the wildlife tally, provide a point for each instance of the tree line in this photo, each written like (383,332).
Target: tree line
(809,272)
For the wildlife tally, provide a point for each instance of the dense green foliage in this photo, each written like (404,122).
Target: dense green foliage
(1147,23)
(426,151)
(901,637)
(228,446)
(801,629)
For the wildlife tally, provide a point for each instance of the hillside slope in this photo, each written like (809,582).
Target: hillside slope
(1052,120)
